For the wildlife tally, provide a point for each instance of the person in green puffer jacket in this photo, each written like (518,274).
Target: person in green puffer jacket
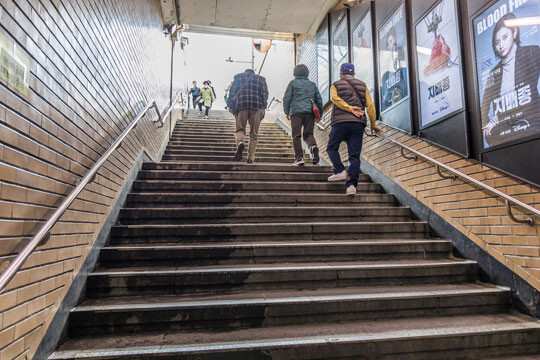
(298,107)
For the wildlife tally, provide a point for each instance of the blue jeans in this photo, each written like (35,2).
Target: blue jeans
(353,134)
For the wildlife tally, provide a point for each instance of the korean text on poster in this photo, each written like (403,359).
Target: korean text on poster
(439,68)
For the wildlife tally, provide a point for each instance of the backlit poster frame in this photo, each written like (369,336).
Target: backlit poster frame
(392,58)
(340,52)
(439,64)
(322,50)
(509,111)
(362,49)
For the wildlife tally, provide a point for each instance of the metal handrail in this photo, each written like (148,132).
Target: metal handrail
(509,200)
(44,231)
(163,117)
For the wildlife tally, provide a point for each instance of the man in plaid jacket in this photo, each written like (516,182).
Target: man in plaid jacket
(248,99)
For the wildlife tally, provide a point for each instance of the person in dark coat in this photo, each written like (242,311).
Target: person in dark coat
(194,92)
(350,97)
(300,96)
(248,99)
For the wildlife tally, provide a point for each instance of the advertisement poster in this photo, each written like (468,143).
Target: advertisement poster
(507,51)
(393,60)
(323,67)
(340,48)
(363,52)
(14,65)
(438,58)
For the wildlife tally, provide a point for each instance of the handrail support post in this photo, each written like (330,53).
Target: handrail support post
(529,220)
(453,177)
(414,157)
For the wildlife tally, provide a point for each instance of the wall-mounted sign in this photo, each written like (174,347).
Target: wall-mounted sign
(323,65)
(340,44)
(363,52)
(393,60)
(507,39)
(14,65)
(439,64)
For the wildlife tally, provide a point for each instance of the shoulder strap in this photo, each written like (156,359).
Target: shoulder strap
(307,92)
(355,93)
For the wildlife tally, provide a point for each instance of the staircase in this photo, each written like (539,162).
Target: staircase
(212,259)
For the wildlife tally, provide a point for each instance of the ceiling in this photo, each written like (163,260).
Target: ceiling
(271,18)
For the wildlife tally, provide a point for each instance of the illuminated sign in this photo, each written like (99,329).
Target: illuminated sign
(507,39)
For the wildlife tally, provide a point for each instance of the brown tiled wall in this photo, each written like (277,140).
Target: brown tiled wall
(94,65)
(477,214)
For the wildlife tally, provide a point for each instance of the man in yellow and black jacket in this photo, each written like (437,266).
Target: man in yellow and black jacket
(350,97)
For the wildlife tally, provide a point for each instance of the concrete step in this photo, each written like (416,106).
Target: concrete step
(272,252)
(236,166)
(212,147)
(278,308)
(122,234)
(210,157)
(244,215)
(225,136)
(198,186)
(229,153)
(229,142)
(105,282)
(211,130)
(245,175)
(152,200)
(445,338)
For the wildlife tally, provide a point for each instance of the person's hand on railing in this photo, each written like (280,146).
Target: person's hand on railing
(377,129)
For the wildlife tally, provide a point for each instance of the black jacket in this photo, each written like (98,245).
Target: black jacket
(527,71)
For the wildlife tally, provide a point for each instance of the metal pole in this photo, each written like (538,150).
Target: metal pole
(260,69)
(252,58)
(171,83)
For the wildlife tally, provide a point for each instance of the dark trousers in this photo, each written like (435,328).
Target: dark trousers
(352,133)
(207,110)
(297,122)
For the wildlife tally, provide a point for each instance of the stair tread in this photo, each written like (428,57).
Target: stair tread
(288,296)
(298,335)
(261,208)
(328,223)
(348,265)
(286,243)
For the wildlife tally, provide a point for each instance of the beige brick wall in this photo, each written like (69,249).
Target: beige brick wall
(476,213)
(93,65)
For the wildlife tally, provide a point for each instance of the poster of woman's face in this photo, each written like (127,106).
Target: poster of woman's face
(393,60)
(439,63)
(507,39)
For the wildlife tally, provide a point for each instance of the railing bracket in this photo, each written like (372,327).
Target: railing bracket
(414,157)
(529,221)
(369,133)
(45,239)
(453,177)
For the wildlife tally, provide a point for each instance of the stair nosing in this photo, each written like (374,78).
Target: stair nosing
(290,300)
(328,339)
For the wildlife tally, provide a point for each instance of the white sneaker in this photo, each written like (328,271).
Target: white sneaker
(206,116)
(299,162)
(351,190)
(338,177)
